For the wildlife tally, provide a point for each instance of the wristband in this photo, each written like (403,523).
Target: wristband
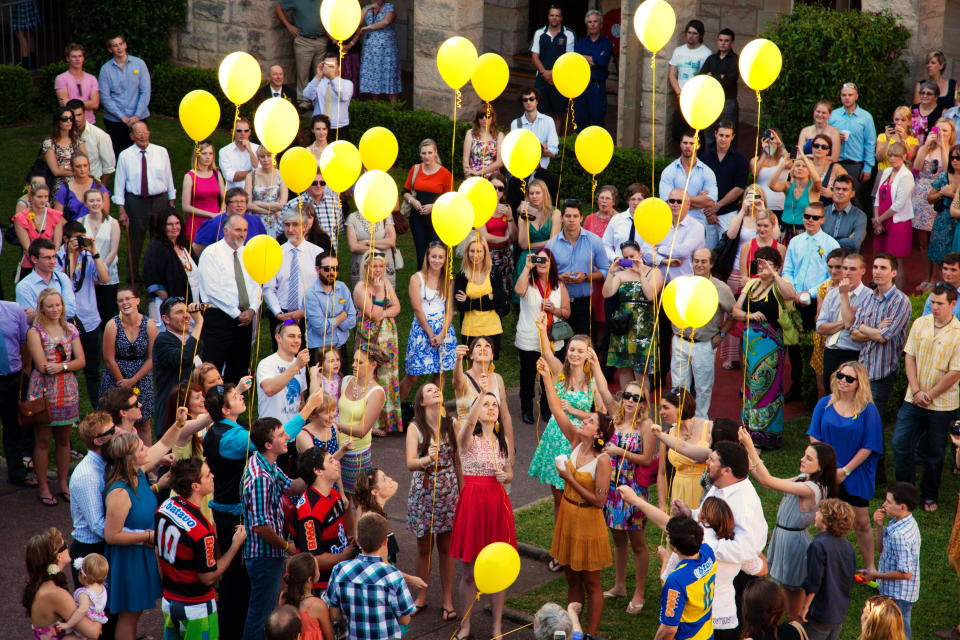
(96,256)
(845,472)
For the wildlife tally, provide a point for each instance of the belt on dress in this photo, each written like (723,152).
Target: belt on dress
(582,505)
(780,526)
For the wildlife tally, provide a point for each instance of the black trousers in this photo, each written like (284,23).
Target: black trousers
(341,133)
(106,302)
(234,586)
(528,382)
(809,316)
(832,359)
(226,344)
(119,135)
(17,440)
(90,341)
(580,315)
(79,550)
(140,211)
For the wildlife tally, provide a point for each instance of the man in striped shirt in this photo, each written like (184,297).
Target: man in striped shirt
(881,328)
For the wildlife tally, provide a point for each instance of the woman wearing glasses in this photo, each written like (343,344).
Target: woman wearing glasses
(933,159)
(500,232)
(481,147)
(926,111)
(946,88)
(800,189)
(848,421)
(58,149)
(827,168)
(943,191)
(57,354)
(893,210)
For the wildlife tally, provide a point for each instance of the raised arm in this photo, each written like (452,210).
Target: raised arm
(553,400)
(765,478)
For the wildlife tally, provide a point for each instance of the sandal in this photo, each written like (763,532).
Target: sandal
(553,566)
(48,501)
(448,614)
(930,505)
(419,608)
(64,495)
(633,608)
(613,594)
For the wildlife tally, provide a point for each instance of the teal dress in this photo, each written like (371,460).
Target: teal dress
(943,235)
(536,235)
(134,581)
(553,443)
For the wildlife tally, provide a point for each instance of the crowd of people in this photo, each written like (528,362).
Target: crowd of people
(276,526)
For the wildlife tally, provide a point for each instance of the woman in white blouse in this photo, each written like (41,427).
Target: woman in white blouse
(105,232)
(893,210)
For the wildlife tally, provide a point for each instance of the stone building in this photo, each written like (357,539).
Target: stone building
(217,27)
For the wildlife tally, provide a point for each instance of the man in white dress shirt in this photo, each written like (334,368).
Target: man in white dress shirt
(283,294)
(545,129)
(144,187)
(331,96)
(238,158)
(235,296)
(103,161)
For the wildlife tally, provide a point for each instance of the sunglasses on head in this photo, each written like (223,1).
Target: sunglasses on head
(946,285)
(288,322)
(843,376)
(807,216)
(626,395)
(674,201)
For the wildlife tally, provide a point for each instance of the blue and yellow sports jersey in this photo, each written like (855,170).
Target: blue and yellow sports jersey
(686,601)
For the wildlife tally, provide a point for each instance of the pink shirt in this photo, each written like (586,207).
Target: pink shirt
(82,90)
(49,219)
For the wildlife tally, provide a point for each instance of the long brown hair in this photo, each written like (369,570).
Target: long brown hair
(363,488)
(121,466)
(298,580)
(446,432)
(42,551)
(481,112)
(178,397)
(764,604)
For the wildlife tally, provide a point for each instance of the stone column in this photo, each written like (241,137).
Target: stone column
(435,21)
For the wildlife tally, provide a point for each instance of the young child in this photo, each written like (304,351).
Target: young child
(91,598)
(686,598)
(898,571)
(830,567)
(321,430)
(368,593)
(302,573)
(329,378)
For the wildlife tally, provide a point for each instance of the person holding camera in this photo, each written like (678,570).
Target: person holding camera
(78,258)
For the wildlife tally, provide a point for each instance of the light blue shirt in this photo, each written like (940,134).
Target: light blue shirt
(830,312)
(690,237)
(86,499)
(805,266)
(29,288)
(125,91)
(322,307)
(953,114)
(316,92)
(87,312)
(545,129)
(586,255)
(702,178)
(861,143)
(928,308)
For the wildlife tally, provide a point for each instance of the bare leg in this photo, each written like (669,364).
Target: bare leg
(557,497)
(594,593)
(497,601)
(62,437)
(424,545)
(468,593)
(41,459)
(864,532)
(574,585)
(641,563)
(447,570)
(406,384)
(620,553)
(127,625)
(795,600)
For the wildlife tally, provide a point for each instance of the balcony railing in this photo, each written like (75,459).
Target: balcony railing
(32,32)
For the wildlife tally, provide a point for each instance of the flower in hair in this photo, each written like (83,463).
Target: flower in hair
(600,441)
(78,563)
(53,569)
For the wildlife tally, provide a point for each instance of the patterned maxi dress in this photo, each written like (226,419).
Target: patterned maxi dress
(130,357)
(428,507)
(380,58)
(553,442)
(762,411)
(384,333)
(923,211)
(634,349)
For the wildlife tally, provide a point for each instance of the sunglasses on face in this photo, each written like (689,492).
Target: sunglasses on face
(820,145)
(626,395)
(955,157)
(318,183)
(243,130)
(843,376)
(927,93)
(66,118)
(807,216)
(530,99)
(63,547)
(498,187)
(674,201)
(109,432)
(329,269)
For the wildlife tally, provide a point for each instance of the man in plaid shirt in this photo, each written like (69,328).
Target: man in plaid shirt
(898,571)
(265,550)
(367,592)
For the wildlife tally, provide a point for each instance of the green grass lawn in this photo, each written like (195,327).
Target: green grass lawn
(937,608)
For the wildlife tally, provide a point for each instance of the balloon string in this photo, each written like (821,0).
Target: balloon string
(653,118)
(336,131)
(457,102)
(465,616)
(486,141)
(756,152)
(563,146)
(502,635)
(593,192)
(236,118)
(256,358)
(193,197)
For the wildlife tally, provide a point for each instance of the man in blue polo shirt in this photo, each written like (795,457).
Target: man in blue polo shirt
(581,261)
(124,93)
(702,188)
(43,255)
(858,136)
(591,107)
(212,230)
(549,43)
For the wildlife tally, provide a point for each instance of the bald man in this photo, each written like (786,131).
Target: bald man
(276,87)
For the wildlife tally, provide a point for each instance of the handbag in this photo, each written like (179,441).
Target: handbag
(560,330)
(33,413)
(406,208)
(790,321)
(726,252)
(646,474)
(397,258)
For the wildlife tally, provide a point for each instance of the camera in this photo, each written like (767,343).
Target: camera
(538,259)
(626,263)
(85,242)
(767,134)
(955,428)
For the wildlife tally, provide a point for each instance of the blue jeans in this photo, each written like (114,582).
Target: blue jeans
(928,429)
(905,608)
(265,575)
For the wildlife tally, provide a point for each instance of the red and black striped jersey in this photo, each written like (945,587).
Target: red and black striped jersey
(186,547)
(319,526)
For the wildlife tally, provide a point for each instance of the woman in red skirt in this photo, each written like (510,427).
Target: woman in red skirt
(484,513)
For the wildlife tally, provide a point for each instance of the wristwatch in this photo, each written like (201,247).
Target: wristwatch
(64,367)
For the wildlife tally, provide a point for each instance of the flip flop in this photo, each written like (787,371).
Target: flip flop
(448,614)
(64,495)
(419,609)
(611,594)
(634,609)
(48,501)
(553,566)
(930,505)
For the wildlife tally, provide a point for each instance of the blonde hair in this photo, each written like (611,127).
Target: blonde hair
(467,262)
(837,516)
(213,159)
(896,149)
(758,193)
(121,466)
(94,568)
(941,122)
(37,185)
(92,425)
(196,378)
(863,396)
(882,620)
(432,143)
(367,262)
(62,320)
(621,412)
(327,405)
(937,55)
(547,207)
(903,111)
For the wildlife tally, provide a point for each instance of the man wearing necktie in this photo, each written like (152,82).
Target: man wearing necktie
(283,294)
(234,296)
(143,188)
(276,87)
(331,96)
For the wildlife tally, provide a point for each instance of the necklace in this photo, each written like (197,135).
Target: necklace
(184,258)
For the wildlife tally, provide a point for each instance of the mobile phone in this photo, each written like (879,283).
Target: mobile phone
(955,428)
(767,134)
(626,263)
(891,126)
(934,130)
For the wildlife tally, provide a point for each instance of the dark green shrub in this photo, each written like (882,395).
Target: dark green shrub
(15,87)
(145,26)
(171,83)
(822,49)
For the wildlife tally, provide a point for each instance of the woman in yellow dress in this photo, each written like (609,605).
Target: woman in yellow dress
(580,541)
(677,408)
(479,295)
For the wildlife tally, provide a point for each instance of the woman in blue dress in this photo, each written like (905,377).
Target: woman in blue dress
(380,58)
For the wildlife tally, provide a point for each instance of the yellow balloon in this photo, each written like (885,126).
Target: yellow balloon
(521,152)
(594,149)
(490,77)
(456,60)
(239,76)
(375,195)
(378,148)
(760,63)
(340,18)
(571,74)
(701,101)
(298,168)
(340,165)
(482,196)
(262,257)
(652,219)
(496,568)
(199,114)
(276,122)
(693,301)
(654,23)
(452,215)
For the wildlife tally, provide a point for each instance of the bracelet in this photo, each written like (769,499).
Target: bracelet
(845,472)
(155,487)
(755,465)
(96,256)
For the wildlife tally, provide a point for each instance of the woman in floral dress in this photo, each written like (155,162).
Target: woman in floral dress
(379,305)
(268,193)
(434,490)
(481,147)
(380,58)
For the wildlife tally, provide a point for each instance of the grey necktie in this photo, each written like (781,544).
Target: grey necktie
(244,299)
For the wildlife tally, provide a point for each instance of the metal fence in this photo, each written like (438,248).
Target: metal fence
(32,32)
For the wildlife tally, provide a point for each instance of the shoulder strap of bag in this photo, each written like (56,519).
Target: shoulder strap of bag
(413,182)
(800,630)
(473,382)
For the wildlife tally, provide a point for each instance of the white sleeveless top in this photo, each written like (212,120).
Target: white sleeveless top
(431,301)
(530,306)
(102,242)
(774,198)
